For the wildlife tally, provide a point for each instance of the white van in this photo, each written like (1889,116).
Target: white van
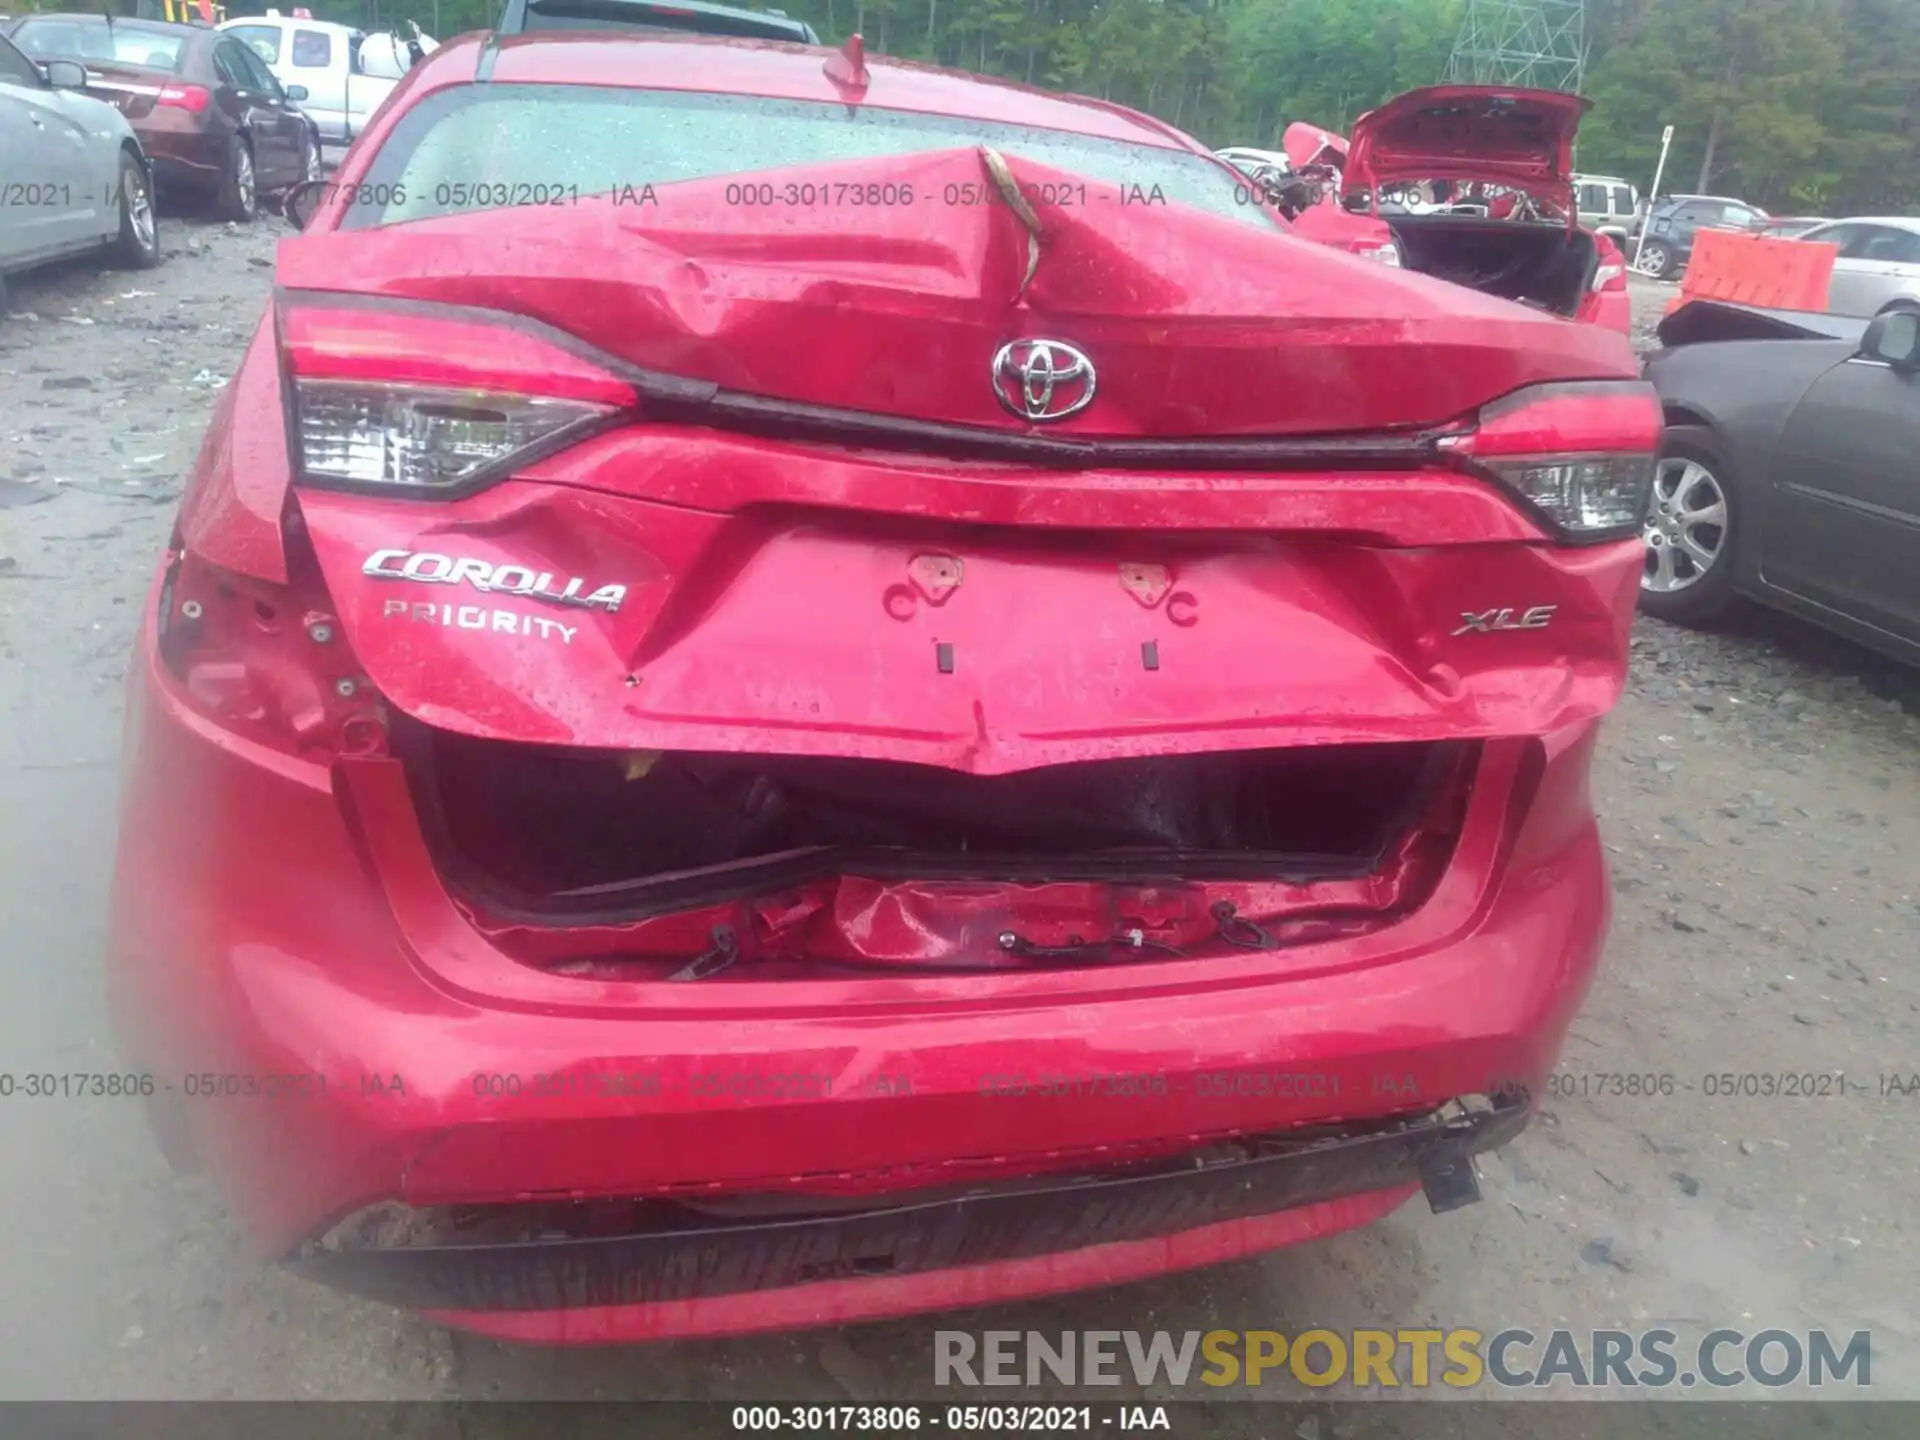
(347,71)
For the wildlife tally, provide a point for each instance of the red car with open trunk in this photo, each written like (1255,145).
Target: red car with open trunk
(775,701)
(1523,243)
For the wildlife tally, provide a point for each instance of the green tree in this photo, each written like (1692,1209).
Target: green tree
(1808,104)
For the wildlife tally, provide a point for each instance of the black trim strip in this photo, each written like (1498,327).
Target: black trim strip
(702,402)
(1009,1222)
(1907,520)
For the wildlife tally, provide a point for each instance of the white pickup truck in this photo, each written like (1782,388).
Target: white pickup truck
(347,71)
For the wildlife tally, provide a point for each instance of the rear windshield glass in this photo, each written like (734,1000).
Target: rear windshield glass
(626,18)
(484,147)
(96,40)
(264,39)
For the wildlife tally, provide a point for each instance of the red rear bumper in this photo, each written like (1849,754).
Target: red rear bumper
(277,919)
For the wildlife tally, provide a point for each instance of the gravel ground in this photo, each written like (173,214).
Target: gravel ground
(1758,796)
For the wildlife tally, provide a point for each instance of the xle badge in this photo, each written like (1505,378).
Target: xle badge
(1488,621)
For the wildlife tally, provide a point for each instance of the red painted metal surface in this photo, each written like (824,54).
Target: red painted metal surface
(1203,324)
(764,631)
(1500,135)
(1306,145)
(1608,304)
(306,931)
(279,909)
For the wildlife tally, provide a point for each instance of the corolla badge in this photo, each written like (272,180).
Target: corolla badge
(1043,379)
(522,581)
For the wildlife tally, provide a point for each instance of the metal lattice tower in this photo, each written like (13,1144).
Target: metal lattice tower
(1541,44)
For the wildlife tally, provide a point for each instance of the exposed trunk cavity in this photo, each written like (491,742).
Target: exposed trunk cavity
(807,861)
(1544,266)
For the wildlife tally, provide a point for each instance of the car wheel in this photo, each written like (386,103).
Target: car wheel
(239,197)
(1656,260)
(1690,529)
(137,247)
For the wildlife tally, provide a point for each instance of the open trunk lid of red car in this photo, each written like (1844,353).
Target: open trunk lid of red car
(1518,138)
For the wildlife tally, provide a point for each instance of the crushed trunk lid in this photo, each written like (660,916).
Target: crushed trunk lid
(1195,324)
(828,598)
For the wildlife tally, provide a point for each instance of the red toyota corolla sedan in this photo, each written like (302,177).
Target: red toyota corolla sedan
(775,701)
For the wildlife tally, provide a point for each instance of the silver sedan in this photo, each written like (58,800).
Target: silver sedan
(1878,267)
(72,176)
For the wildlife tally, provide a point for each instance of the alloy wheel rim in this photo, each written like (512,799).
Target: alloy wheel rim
(1686,527)
(1655,262)
(140,211)
(309,159)
(243,179)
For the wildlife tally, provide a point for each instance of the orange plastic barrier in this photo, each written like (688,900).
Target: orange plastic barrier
(1757,270)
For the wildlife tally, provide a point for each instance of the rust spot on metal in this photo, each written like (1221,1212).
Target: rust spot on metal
(1146,583)
(936,576)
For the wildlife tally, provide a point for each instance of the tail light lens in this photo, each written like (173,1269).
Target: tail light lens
(191,98)
(1581,456)
(1387,254)
(1611,273)
(421,438)
(405,403)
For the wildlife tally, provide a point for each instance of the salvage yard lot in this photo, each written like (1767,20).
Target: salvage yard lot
(1758,794)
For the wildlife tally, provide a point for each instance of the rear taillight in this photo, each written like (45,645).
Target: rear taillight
(191,98)
(268,662)
(1387,254)
(404,403)
(417,438)
(1580,455)
(1611,272)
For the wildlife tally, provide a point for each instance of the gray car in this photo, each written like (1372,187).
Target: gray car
(1878,267)
(74,178)
(1788,473)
